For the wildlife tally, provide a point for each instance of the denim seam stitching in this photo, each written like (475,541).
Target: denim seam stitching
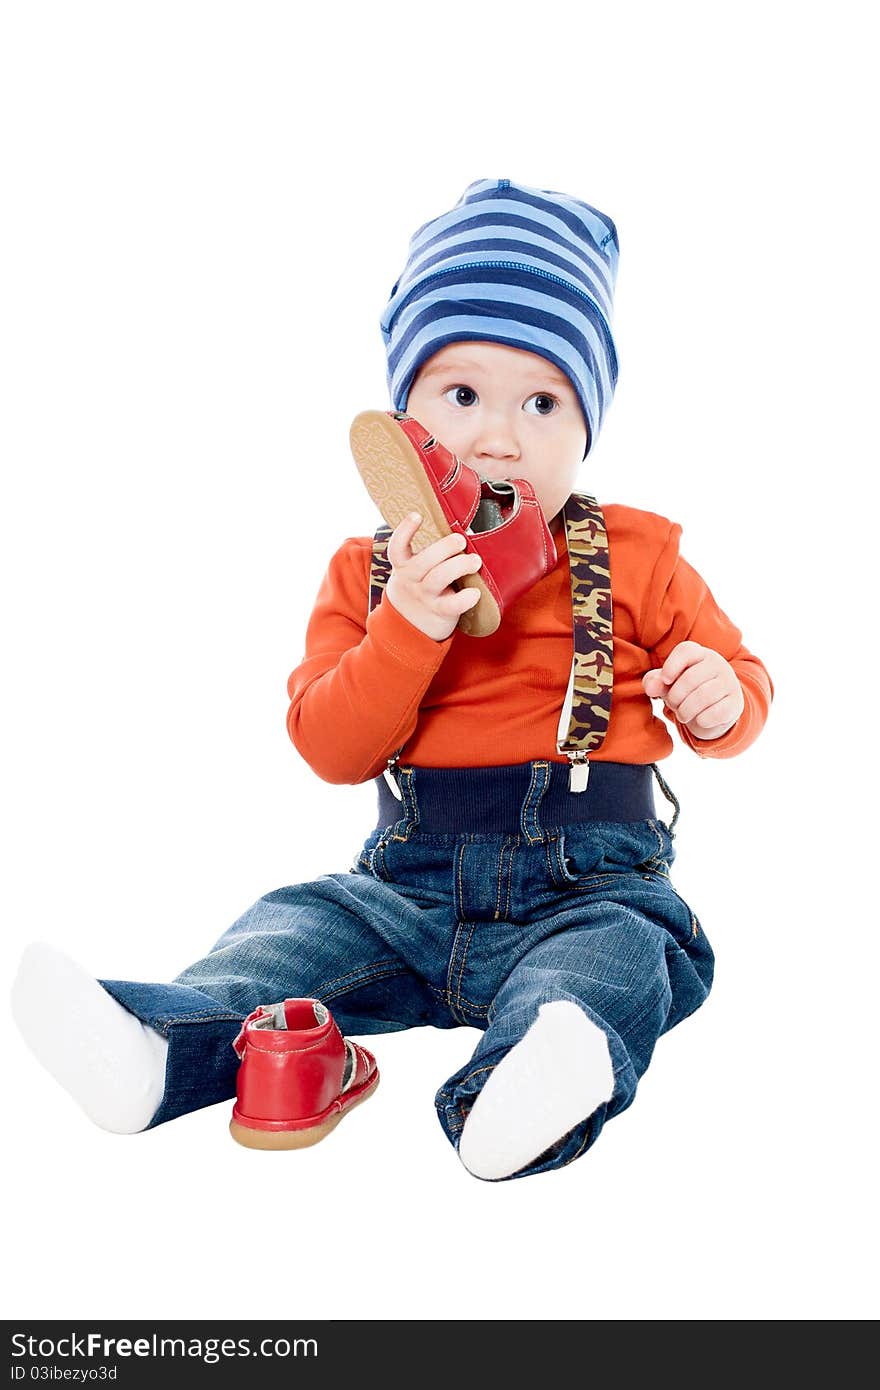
(465,1080)
(514,846)
(367,973)
(659,838)
(577,1153)
(472,1006)
(407,822)
(562,878)
(469,1076)
(459,907)
(695,925)
(498,880)
(450,969)
(441,994)
(377,860)
(529,812)
(462,962)
(526,805)
(460,1001)
(585,882)
(410,802)
(197,1018)
(326,993)
(509,845)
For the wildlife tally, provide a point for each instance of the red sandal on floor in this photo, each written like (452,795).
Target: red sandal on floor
(298,1076)
(406,469)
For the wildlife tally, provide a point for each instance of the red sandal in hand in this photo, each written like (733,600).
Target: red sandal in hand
(406,469)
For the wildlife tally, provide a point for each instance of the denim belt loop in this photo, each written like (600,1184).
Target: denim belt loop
(670,796)
(410,818)
(529,819)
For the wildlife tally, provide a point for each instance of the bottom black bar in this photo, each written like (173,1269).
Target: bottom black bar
(205,1353)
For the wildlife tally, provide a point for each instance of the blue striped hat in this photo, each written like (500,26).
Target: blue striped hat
(515,265)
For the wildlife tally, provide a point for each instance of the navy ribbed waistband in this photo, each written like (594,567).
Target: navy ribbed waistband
(490,800)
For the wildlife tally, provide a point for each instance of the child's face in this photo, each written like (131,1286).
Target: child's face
(507,413)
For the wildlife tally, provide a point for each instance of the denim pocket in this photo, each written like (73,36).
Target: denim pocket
(594,854)
(574,862)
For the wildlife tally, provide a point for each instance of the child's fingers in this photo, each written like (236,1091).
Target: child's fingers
(435,554)
(459,601)
(400,540)
(653,681)
(439,577)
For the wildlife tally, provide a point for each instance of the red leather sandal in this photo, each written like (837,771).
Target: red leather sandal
(406,469)
(298,1076)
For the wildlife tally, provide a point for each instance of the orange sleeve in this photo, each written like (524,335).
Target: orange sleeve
(680,608)
(354,698)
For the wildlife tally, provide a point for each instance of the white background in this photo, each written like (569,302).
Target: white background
(205,207)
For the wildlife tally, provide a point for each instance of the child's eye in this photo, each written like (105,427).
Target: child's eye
(544,404)
(459,393)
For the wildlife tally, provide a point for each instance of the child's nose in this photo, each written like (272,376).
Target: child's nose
(495,447)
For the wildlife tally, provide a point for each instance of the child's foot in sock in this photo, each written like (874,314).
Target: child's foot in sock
(112,1064)
(553,1078)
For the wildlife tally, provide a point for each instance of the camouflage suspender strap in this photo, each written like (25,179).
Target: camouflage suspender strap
(583,723)
(380,566)
(587,707)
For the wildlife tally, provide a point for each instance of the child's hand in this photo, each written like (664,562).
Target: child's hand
(420,585)
(700,687)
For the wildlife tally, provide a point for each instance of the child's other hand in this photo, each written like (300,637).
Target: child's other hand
(700,688)
(420,585)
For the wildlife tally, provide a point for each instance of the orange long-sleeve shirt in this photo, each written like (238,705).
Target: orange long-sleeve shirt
(369,685)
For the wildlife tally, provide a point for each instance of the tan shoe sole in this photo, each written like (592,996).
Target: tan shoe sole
(394,476)
(293,1138)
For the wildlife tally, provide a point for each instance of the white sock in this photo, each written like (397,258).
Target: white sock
(112,1064)
(553,1078)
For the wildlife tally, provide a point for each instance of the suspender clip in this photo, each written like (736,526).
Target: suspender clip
(389,776)
(579,773)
